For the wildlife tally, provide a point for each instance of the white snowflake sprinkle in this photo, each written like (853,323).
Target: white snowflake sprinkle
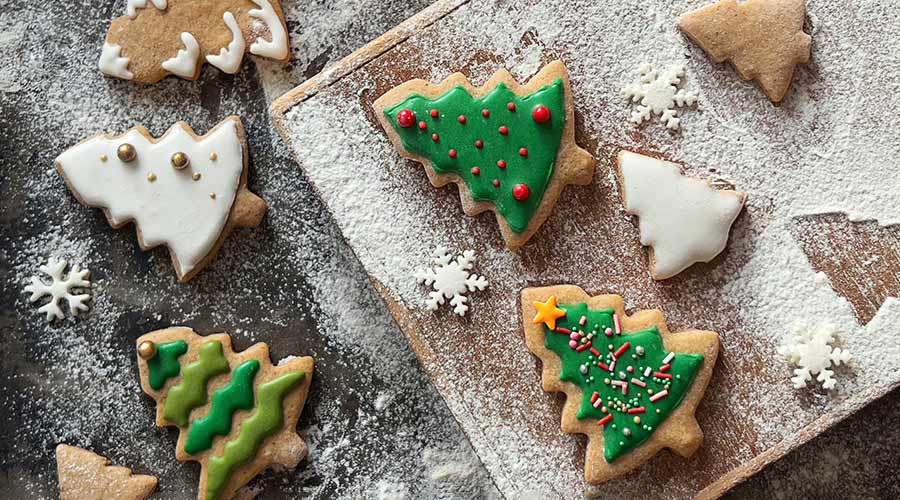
(450,279)
(810,349)
(60,288)
(657,92)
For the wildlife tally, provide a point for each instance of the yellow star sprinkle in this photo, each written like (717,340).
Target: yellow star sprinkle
(548,313)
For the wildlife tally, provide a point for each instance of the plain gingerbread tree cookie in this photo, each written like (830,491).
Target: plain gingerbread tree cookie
(156,38)
(87,476)
(631,385)
(764,39)
(510,148)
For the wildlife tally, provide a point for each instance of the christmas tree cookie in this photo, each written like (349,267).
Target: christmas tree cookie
(235,411)
(510,148)
(764,39)
(156,38)
(631,385)
(87,476)
(185,191)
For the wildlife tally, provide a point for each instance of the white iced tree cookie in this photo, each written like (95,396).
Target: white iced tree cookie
(450,279)
(157,38)
(811,350)
(657,92)
(683,220)
(182,190)
(60,288)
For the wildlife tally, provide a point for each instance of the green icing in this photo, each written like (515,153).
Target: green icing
(191,392)
(237,395)
(164,365)
(541,139)
(266,420)
(684,368)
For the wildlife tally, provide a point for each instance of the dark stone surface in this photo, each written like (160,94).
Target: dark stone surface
(376,426)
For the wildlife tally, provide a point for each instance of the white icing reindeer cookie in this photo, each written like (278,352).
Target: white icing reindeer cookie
(156,38)
(683,220)
(182,190)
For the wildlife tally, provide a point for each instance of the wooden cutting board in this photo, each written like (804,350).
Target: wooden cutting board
(784,157)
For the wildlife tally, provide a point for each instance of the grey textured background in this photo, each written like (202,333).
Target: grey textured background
(376,426)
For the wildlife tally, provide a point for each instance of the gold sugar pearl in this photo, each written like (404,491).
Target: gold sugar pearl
(126,152)
(212,195)
(103,157)
(147,349)
(196,176)
(637,420)
(151,177)
(180,160)
(213,156)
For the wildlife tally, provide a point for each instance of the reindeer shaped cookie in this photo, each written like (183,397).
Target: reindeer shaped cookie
(156,38)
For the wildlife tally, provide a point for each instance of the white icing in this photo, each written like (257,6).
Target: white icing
(132,6)
(174,210)
(229,59)
(685,220)
(184,64)
(278,47)
(112,63)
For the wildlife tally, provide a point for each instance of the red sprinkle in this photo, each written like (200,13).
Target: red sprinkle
(496,183)
(485,113)
(501,163)
(594,397)
(406,118)
(640,409)
(435,137)
(476,170)
(662,375)
(603,365)
(665,368)
(605,420)
(541,114)
(434,113)
(523,152)
(559,328)
(595,352)
(452,153)
(521,192)
(423,125)
(511,106)
(620,351)
(479,144)
(462,119)
(504,130)
(583,347)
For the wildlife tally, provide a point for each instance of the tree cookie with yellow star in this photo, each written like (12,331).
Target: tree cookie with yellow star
(182,190)
(631,385)
(509,148)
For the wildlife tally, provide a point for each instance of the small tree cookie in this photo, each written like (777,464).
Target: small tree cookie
(631,385)
(184,191)
(87,476)
(764,39)
(236,412)
(510,148)
(157,38)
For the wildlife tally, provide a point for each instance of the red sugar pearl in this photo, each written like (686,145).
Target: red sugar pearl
(523,151)
(476,170)
(452,153)
(435,137)
(541,114)
(423,125)
(406,118)
(504,130)
(496,183)
(434,113)
(501,163)
(511,106)
(521,192)
(479,144)
(486,113)
(462,119)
